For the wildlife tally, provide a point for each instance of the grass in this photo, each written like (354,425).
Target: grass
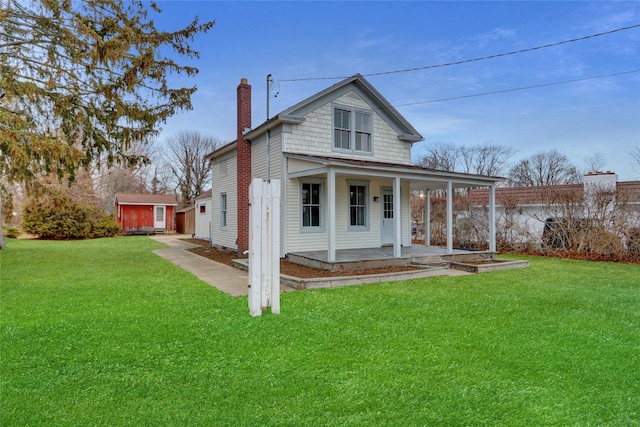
(104,332)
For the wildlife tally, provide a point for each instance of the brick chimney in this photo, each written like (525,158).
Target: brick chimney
(244,164)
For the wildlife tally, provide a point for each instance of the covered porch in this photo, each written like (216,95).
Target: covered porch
(413,177)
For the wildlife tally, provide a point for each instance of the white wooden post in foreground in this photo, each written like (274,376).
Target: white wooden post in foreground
(264,246)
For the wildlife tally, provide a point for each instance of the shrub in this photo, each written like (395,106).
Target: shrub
(633,243)
(58,217)
(10,232)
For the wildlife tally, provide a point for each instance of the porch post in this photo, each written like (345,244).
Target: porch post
(427,218)
(449,217)
(492,218)
(331,217)
(397,241)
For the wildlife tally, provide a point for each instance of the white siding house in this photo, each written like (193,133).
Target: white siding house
(223,216)
(343,156)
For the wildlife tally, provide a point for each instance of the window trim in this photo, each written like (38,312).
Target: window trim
(202,208)
(367,206)
(353,132)
(224,211)
(322,204)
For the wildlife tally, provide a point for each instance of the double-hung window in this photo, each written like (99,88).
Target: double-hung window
(357,205)
(311,198)
(223,210)
(342,131)
(363,132)
(352,130)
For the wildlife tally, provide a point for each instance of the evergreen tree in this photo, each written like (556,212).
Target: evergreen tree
(84,80)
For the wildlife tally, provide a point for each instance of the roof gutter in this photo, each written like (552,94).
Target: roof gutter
(273,123)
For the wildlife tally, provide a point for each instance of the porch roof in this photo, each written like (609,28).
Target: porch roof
(305,165)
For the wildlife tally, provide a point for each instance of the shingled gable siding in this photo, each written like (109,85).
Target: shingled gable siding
(224,183)
(315,135)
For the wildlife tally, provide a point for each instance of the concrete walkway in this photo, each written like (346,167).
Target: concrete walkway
(235,282)
(228,279)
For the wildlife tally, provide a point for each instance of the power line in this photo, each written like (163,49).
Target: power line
(466,61)
(519,88)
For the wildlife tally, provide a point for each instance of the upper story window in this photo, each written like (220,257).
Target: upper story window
(352,130)
(203,209)
(223,168)
(363,132)
(342,132)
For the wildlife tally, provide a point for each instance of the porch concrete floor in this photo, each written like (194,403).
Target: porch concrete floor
(383,253)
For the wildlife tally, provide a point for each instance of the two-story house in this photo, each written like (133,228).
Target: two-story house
(343,157)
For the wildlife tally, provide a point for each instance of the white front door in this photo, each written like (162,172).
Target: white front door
(159,220)
(388,221)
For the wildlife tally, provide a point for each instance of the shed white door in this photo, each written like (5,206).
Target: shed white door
(159,217)
(388,220)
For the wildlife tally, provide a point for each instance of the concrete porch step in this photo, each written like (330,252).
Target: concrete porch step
(429,264)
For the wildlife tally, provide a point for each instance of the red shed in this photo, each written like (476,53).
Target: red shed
(146,213)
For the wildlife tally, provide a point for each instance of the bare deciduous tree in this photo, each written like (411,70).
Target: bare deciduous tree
(442,156)
(634,152)
(544,168)
(185,163)
(594,162)
(133,178)
(484,159)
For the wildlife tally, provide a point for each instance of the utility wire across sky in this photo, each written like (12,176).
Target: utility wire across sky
(495,92)
(406,70)
(519,88)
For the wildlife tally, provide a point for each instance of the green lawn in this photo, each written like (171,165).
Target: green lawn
(106,333)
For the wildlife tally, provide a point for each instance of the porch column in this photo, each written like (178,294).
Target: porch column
(492,218)
(397,240)
(427,218)
(449,217)
(331,215)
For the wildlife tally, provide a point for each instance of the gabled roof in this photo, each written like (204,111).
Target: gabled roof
(145,199)
(204,195)
(225,149)
(358,83)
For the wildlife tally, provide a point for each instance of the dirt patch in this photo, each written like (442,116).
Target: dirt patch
(286,267)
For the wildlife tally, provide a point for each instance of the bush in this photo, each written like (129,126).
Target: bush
(633,243)
(58,217)
(10,232)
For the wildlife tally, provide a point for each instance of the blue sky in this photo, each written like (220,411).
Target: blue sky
(302,40)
